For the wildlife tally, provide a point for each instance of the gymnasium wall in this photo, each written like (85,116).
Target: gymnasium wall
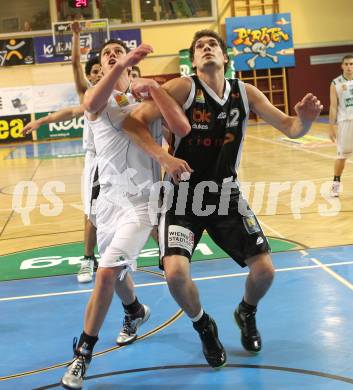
(319,26)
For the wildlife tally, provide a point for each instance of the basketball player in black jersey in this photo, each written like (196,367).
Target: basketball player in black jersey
(218,110)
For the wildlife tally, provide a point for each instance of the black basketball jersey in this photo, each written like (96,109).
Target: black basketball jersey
(213,146)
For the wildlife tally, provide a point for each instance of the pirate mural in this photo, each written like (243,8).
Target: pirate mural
(261,42)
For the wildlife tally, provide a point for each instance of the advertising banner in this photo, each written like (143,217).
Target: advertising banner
(53,97)
(11,128)
(68,129)
(16,52)
(16,100)
(40,98)
(44,49)
(261,42)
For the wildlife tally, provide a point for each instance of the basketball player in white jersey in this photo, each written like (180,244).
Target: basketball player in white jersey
(126,176)
(92,69)
(128,332)
(217,110)
(341,112)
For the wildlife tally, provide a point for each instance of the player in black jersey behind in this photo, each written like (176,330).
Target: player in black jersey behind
(218,110)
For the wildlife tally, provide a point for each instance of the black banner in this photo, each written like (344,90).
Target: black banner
(16,52)
(11,128)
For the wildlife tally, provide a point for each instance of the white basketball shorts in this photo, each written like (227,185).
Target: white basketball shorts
(344,139)
(121,232)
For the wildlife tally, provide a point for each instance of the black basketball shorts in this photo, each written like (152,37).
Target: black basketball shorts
(239,234)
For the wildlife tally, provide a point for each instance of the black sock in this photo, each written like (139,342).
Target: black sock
(87,342)
(91,257)
(201,324)
(336,178)
(243,306)
(133,309)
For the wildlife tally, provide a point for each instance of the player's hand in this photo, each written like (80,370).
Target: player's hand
(309,108)
(136,55)
(140,87)
(177,168)
(76,27)
(332,134)
(31,126)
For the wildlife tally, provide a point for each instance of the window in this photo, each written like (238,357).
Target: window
(24,15)
(174,9)
(117,11)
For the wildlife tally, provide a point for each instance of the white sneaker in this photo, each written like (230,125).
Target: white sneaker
(85,274)
(335,189)
(74,375)
(73,378)
(128,333)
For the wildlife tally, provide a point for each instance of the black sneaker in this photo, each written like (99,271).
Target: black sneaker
(76,371)
(250,336)
(212,348)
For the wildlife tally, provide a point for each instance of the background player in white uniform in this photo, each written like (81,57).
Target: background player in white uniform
(92,71)
(125,176)
(341,112)
(237,232)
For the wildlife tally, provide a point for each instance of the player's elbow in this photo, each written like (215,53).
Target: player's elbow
(90,104)
(183,129)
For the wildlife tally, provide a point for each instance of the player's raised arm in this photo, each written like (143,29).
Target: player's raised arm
(308,109)
(79,77)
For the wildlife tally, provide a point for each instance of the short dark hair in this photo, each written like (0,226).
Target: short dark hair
(347,57)
(136,69)
(89,65)
(118,42)
(208,33)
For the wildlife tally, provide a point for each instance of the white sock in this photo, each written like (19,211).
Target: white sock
(195,319)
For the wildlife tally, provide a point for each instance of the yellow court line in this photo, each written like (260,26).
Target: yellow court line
(327,269)
(333,273)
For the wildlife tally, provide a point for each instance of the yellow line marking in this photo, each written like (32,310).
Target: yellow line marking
(332,273)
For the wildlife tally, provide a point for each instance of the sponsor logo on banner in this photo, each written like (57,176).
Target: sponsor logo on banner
(44,48)
(11,128)
(179,237)
(72,128)
(16,52)
(261,42)
(16,101)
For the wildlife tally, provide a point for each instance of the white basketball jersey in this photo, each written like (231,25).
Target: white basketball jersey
(344,89)
(87,137)
(124,169)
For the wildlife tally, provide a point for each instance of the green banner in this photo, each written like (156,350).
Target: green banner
(68,129)
(185,65)
(66,259)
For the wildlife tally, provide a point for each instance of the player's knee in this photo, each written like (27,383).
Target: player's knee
(265,272)
(261,268)
(106,277)
(175,273)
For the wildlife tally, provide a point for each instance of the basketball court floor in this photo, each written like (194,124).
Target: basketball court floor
(305,319)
